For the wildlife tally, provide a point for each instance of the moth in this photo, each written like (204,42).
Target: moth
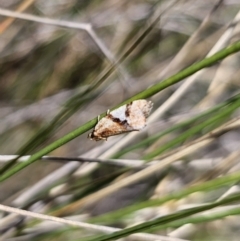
(129,117)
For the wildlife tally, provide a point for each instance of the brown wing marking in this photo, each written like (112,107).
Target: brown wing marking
(111,126)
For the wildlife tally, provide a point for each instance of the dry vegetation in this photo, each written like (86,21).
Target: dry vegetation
(62,63)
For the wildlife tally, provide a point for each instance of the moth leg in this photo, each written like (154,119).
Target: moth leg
(98,118)
(108,111)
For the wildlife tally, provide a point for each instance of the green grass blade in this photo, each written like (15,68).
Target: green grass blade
(206,186)
(153,225)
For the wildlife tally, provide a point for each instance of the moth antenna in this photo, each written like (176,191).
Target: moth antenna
(90,136)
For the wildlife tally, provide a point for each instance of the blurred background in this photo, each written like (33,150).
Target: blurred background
(62,63)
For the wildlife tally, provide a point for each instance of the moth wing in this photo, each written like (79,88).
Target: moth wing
(138,111)
(108,127)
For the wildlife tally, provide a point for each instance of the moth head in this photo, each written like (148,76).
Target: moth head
(91,136)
